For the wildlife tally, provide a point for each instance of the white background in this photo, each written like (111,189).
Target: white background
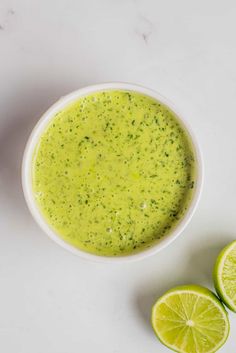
(50,300)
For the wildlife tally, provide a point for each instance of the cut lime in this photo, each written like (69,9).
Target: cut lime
(190,319)
(225,275)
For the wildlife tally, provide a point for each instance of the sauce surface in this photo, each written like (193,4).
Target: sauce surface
(113,172)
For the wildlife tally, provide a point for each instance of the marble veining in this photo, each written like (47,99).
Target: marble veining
(6,15)
(144,28)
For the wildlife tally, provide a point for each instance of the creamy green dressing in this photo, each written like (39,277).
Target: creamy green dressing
(113,172)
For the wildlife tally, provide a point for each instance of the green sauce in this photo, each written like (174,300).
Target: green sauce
(113,172)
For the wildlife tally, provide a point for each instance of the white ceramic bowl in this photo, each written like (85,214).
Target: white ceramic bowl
(27,163)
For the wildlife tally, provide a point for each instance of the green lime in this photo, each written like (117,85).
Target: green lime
(190,319)
(225,275)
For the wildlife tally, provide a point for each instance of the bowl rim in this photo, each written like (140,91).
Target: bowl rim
(38,130)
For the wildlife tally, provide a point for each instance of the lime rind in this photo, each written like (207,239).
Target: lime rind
(200,292)
(218,277)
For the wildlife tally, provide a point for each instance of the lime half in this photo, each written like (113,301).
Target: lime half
(190,319)
(225,275)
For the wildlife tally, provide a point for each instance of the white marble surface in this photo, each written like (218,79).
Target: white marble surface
(50,300)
